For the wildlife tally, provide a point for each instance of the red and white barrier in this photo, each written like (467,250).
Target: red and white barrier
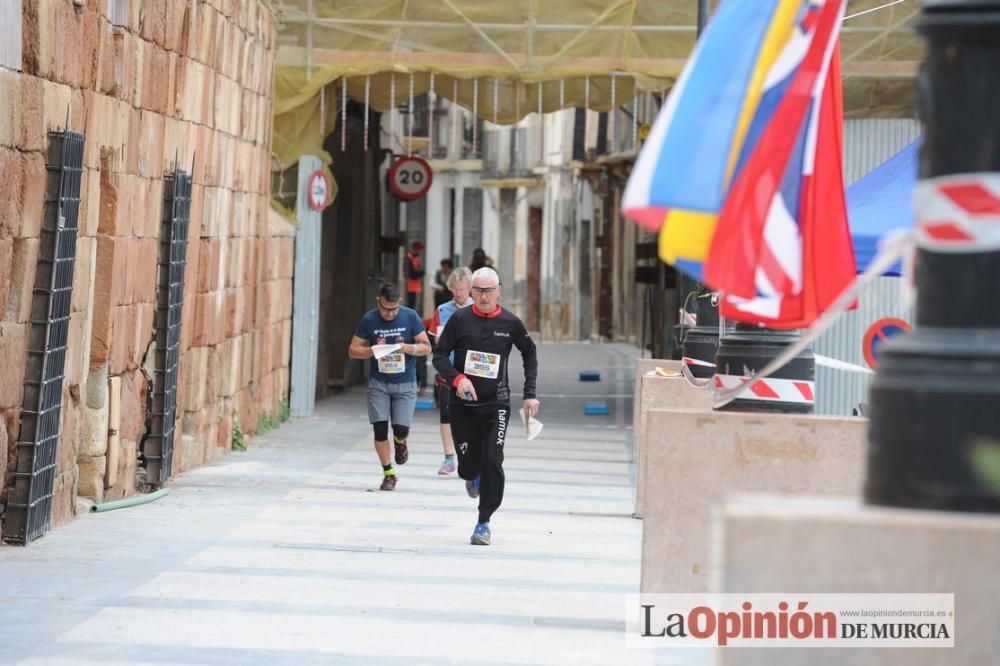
(959,213)
(768,389)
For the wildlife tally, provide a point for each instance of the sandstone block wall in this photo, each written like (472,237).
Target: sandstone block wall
(179,82)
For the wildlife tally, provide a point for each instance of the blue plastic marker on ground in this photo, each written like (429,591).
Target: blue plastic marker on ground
(590,376)
(425,403)
(596,409)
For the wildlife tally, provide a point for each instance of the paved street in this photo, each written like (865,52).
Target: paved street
(286,553)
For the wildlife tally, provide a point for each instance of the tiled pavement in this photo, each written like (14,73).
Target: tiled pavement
(287,553)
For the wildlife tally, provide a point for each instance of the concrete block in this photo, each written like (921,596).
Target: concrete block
(6,268)
(11,175)
(39,36)
(232,353)
(234,312)
(22,280)
(113,218)
(285,357)
(823,545)
(153,212)
(152,22)
(250,366)
(31,114)
(57,99)
(14,351)
(702,457)
(642,366)
(286,265)
(133,405)
(174,15)
(279,291)
(144,331)
(195,363)
(90,202)
(209,262)
(64,497)
(138,71)
(129,247)
(170,100)
(94,431)
(659,393)
(267,338)
(108,268)
(156,79)
(94,28)
(123,71)
(69,435)
(122,332)
(77,349)
(84,273)
(68,48)
(114,442)
(134,148)
(92,472)
(145,286)
(33,183)
(10,112)
(124,485)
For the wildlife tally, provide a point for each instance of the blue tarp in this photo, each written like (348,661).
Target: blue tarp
(881,202)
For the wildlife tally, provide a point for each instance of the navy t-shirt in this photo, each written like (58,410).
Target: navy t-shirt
(396,367)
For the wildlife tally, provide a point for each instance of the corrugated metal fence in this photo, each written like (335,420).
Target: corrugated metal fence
(867,144)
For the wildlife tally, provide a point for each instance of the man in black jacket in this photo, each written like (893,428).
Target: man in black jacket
(481,338)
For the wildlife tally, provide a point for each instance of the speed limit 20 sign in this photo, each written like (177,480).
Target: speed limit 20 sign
(410,178)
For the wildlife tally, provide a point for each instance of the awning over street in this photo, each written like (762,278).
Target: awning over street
(502,58)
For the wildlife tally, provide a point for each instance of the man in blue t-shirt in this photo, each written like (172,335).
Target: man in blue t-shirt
(391,336)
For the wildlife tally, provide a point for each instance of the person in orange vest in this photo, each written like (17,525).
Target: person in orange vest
(414,275)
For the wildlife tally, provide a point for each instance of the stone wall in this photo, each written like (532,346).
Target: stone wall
(179,82)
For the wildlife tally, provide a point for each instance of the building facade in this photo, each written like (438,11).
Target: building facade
(144,286)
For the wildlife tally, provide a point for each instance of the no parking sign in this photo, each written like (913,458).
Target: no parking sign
(878,334)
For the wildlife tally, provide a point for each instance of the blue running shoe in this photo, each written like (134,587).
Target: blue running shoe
(481,535)
(472,487)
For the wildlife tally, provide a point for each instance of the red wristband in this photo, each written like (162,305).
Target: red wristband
(457,380)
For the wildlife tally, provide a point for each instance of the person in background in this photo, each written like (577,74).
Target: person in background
(479,260)
(414,276)
(414,285)
(441,292)
(392,387)
(459,284)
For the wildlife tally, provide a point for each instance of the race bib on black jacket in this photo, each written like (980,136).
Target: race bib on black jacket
(481,345)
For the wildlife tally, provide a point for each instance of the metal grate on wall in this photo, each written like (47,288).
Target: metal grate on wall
(158,445)
(29,507)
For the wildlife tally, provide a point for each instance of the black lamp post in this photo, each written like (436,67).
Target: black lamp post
(935,400)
